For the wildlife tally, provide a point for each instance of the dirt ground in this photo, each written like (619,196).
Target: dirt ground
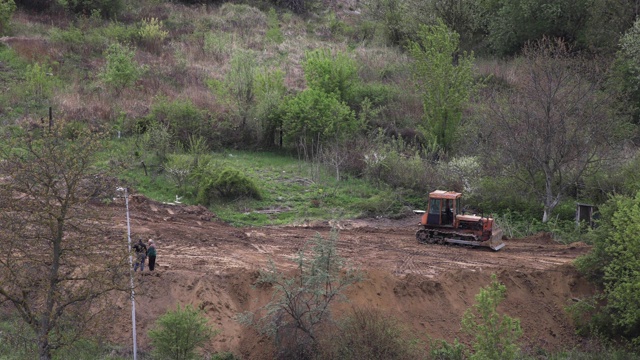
(206,263)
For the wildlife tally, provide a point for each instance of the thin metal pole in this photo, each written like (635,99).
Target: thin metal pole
(133,302)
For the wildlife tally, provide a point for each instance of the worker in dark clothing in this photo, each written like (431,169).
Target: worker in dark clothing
(152,255)
(141,255)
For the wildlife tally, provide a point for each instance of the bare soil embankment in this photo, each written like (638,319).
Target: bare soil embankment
(211,265)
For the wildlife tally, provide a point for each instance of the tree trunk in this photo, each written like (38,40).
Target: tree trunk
(44,350)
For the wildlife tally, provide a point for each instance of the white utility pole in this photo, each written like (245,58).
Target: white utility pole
(133,302)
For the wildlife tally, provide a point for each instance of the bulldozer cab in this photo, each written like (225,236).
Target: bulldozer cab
(443,208)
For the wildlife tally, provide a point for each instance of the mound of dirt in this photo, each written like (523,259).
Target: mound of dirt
(428,287)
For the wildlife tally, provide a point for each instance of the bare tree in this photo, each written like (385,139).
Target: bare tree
(54,268)
(553,124)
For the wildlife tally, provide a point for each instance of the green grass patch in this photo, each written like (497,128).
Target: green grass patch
(292,191)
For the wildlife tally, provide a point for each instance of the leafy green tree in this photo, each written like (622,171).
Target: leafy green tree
(614,263)
(7,7)
(625,78)
(121,70)
(512,23)
(301,303)
(314,116)
(464,17)
(334,74)
(445,79)
(495,334)
(607,21)
(179,333)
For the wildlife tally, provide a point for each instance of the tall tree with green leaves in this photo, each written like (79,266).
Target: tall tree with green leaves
(334,74)
(444,76)
(614,262)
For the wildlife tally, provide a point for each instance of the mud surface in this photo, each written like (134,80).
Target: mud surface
(209,264)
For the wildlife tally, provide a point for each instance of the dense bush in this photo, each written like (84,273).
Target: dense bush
(177,334)
(181,118)
(106,8)
(313,116)
(332,74)
(227,184)
(7,7)
(369,334)
(121,70)
(613,263)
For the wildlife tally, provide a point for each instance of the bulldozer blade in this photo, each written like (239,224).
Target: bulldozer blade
(496,242)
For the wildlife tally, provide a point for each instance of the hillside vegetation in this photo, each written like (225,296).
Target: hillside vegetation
(273,112)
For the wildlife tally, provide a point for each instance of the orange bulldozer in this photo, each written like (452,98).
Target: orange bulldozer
(444,222)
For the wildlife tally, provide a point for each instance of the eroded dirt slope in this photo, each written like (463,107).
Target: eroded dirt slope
(206,263)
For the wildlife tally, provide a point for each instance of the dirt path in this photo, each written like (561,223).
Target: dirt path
(213,265)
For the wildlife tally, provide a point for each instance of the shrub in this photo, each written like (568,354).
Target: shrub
(314,116)
(301,303)
(218,44)
(369,334)
(7,7)
(270,90)
(159,140)
(242,18)
(40,82)
(120,71)
(151,34)
(332,74)
(106,8)
(495,334)
(178,168)
(442,350)
(181,117)
(228,184)
(613,263)
(274,34)
(177,334)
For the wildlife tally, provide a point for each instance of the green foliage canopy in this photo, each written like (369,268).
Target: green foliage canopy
(177,334)
(332,74)
(614,263)
(7,7)
(511,23)
(495,334)
(121,70)
(445,78)
(314,116)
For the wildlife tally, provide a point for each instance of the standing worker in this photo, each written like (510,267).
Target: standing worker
(151,252)
(141,255)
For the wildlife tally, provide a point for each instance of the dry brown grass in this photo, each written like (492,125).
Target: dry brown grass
(199,45)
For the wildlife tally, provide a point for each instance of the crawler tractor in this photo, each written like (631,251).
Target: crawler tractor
(445,223)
